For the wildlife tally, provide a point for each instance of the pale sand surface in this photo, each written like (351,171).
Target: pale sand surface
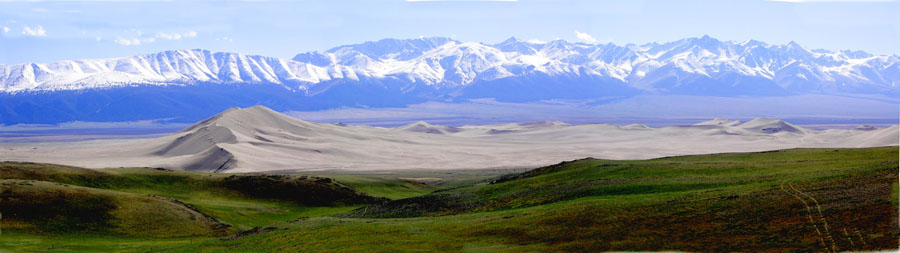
(258,139)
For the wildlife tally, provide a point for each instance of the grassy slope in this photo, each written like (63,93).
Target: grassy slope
(138,194)
(54,208)
(201,190)
(391,188)
(406,184)
(726,202)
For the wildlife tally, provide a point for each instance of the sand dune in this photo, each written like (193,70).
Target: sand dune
(259,139)
(719,122)
(424,127)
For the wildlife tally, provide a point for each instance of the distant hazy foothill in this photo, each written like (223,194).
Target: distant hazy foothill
(259,139)
(189,85)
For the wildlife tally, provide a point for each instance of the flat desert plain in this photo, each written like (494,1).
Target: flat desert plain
(258,139)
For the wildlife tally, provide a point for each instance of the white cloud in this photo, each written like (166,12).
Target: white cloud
(127,42)
(536,41)
(226,38)
(585,37)
(132,41)
(5,29)
(139,40)
(169,36)
(176,36)
(37,31)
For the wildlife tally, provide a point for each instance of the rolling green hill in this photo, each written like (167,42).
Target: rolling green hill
(241,201)
(790,200)
(59,208)
(728,175)
(787,200)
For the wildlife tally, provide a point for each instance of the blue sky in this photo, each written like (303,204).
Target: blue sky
(43,31)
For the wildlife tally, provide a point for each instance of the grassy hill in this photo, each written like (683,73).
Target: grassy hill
(791,200)
(788,200)
(723,175)
(59,208)
(136,201)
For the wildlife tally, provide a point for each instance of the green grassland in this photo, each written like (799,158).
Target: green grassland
(788,200)
(53,207)
(135,209)
(405,184)
(208,193)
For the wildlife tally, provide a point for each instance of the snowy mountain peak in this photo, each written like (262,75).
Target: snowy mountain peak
(517,46)
(394,48)
(512,39)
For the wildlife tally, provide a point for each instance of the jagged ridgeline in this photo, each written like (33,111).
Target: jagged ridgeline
(189,85)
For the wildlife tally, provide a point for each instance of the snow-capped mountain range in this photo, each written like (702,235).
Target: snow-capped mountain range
(190,85)
(691,65)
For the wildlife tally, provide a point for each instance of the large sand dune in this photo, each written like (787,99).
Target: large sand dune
(259,139)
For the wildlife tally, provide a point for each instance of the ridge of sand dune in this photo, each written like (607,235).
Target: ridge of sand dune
(876,137)
(197,140)
(258,139)
(719,122)
(425,127)
(209,142)
(771,126)
(253,120)
(200,148)
(635,126)
(542,124)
